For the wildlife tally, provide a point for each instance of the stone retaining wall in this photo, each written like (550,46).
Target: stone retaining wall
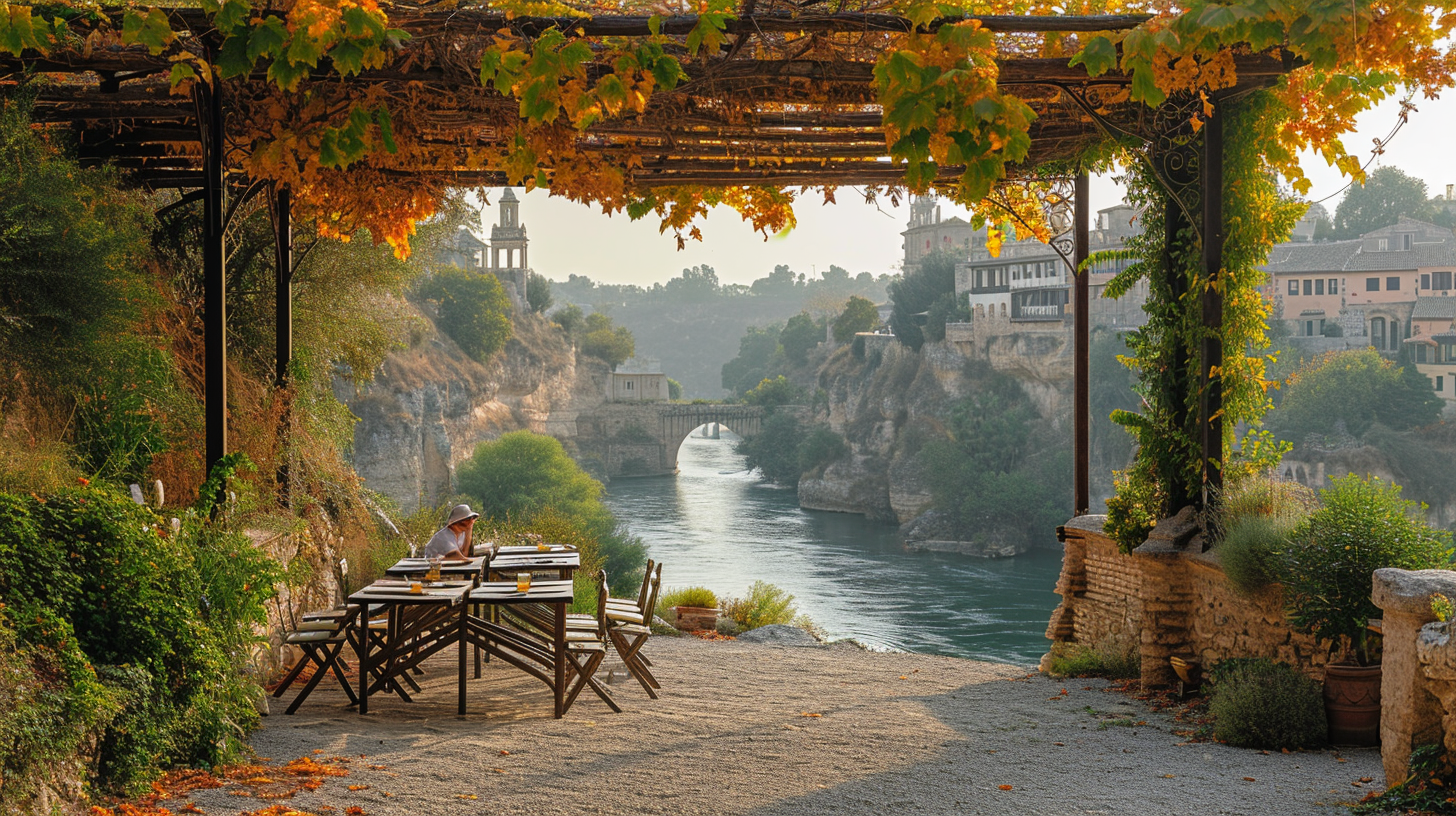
(1168,601)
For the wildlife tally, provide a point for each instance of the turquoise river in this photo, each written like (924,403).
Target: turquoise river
(715,524)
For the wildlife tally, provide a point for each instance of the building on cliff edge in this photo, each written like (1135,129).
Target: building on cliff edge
(505,256)
(638,380)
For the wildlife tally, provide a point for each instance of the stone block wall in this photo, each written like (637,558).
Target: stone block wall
(1168,602)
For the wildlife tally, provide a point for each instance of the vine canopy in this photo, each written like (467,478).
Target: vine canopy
(369,112)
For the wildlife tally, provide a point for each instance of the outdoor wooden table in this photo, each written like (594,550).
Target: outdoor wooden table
(420,566)
(518,647)
(564,562)
(419,626)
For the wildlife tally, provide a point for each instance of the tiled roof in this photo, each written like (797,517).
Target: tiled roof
(1324,256)
(1349,256)
(1434,308)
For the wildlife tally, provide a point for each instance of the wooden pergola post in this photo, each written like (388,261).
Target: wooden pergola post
(1081,368)
(1211,388)
(214,271)
(283,328)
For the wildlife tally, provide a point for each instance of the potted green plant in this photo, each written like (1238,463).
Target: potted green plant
(696,607)
(1360,526)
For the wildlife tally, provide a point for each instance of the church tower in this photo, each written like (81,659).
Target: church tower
(508,236)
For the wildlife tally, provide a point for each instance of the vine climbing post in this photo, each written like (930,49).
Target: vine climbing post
(283,325)
(1081,323)
(1211,388)
(214,272)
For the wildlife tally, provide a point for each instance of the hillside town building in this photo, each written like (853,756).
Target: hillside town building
(1028,281)
(927,233)
(638,380)
(1368,286)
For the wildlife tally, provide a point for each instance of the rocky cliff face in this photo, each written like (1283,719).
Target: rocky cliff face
(889,403)
(429,406)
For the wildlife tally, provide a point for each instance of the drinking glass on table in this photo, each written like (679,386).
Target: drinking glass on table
(434,573)
(523,581)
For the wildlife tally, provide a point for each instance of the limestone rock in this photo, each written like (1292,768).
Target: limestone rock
(1408,592)
(779,634)
(1177,533)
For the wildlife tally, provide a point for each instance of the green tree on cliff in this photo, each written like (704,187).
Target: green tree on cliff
(472,309)
(859,315)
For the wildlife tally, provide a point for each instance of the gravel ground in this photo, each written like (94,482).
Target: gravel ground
(898,733)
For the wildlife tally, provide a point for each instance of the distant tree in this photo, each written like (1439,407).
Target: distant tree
(914,293)
(944,309)
(472,309)
(859,315)
(781,281)
(1358,388)
(774,392)
(1388,194)
(774,451)
(756,350)
(538,293)
(1324,229)
(674,389)
(800,335)
(570,319)
(699,283)
(522,473)
(615,344)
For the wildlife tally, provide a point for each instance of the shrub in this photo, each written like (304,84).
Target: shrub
(1265,496)
(819,448)
(1252,553)
(472,309)
(1362,525)
(859,315)
(131,630)
(701,597)
(764,604)
(1257,703)
(1108,658)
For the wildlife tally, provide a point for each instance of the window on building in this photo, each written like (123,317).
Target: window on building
(1294,287)
(1406,240)
(1421,353)
(1425,281)
(1440,385)
(1334,286)
(1308,287)
(1309,328)
(1382,244)
(1319,286)
(1322,327)
(1372,284)
(1441,280)
(1377,332)
(629,385)
(1394,335)
(1392,284)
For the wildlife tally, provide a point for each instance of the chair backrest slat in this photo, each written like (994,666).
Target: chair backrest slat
(646,580)
(603,592)
(650,607)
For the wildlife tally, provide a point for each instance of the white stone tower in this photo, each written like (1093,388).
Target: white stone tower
(507,253)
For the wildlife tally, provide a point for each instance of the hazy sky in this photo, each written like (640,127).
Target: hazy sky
(568,238)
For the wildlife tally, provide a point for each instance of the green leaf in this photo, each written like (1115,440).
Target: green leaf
(181,72)
(232,58)
(1145,88)
(267,39)
(667,71)
(151,29)
(231,16)
(304,50)
(328,153)
(1099,56)
(360,23)
(654,24)
(1216,17)
(348,58)
(386,129)
(285,74)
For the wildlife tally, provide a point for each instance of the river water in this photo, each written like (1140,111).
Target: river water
(715,524)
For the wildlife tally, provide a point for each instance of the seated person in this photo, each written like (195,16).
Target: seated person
(454,539)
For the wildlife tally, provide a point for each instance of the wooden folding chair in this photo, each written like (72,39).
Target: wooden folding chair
(585,649)
(629,627)
(321,642)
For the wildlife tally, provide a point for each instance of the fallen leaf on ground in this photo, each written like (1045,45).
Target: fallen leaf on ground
(1167,776)
(1249,779)
(1004,787)
(810,714)
(358,787)
(504,752)
(466,796)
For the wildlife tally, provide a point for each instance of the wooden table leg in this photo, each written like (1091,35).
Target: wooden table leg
(364,660)
(464,650)
(558,641)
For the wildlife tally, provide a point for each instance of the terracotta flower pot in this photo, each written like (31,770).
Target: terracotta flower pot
(694,618)
(1352,704)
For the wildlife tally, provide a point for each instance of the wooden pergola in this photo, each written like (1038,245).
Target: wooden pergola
(780,118)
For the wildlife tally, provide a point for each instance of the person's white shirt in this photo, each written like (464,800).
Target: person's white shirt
(445,542)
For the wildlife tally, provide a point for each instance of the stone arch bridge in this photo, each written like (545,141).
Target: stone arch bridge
(619,439)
